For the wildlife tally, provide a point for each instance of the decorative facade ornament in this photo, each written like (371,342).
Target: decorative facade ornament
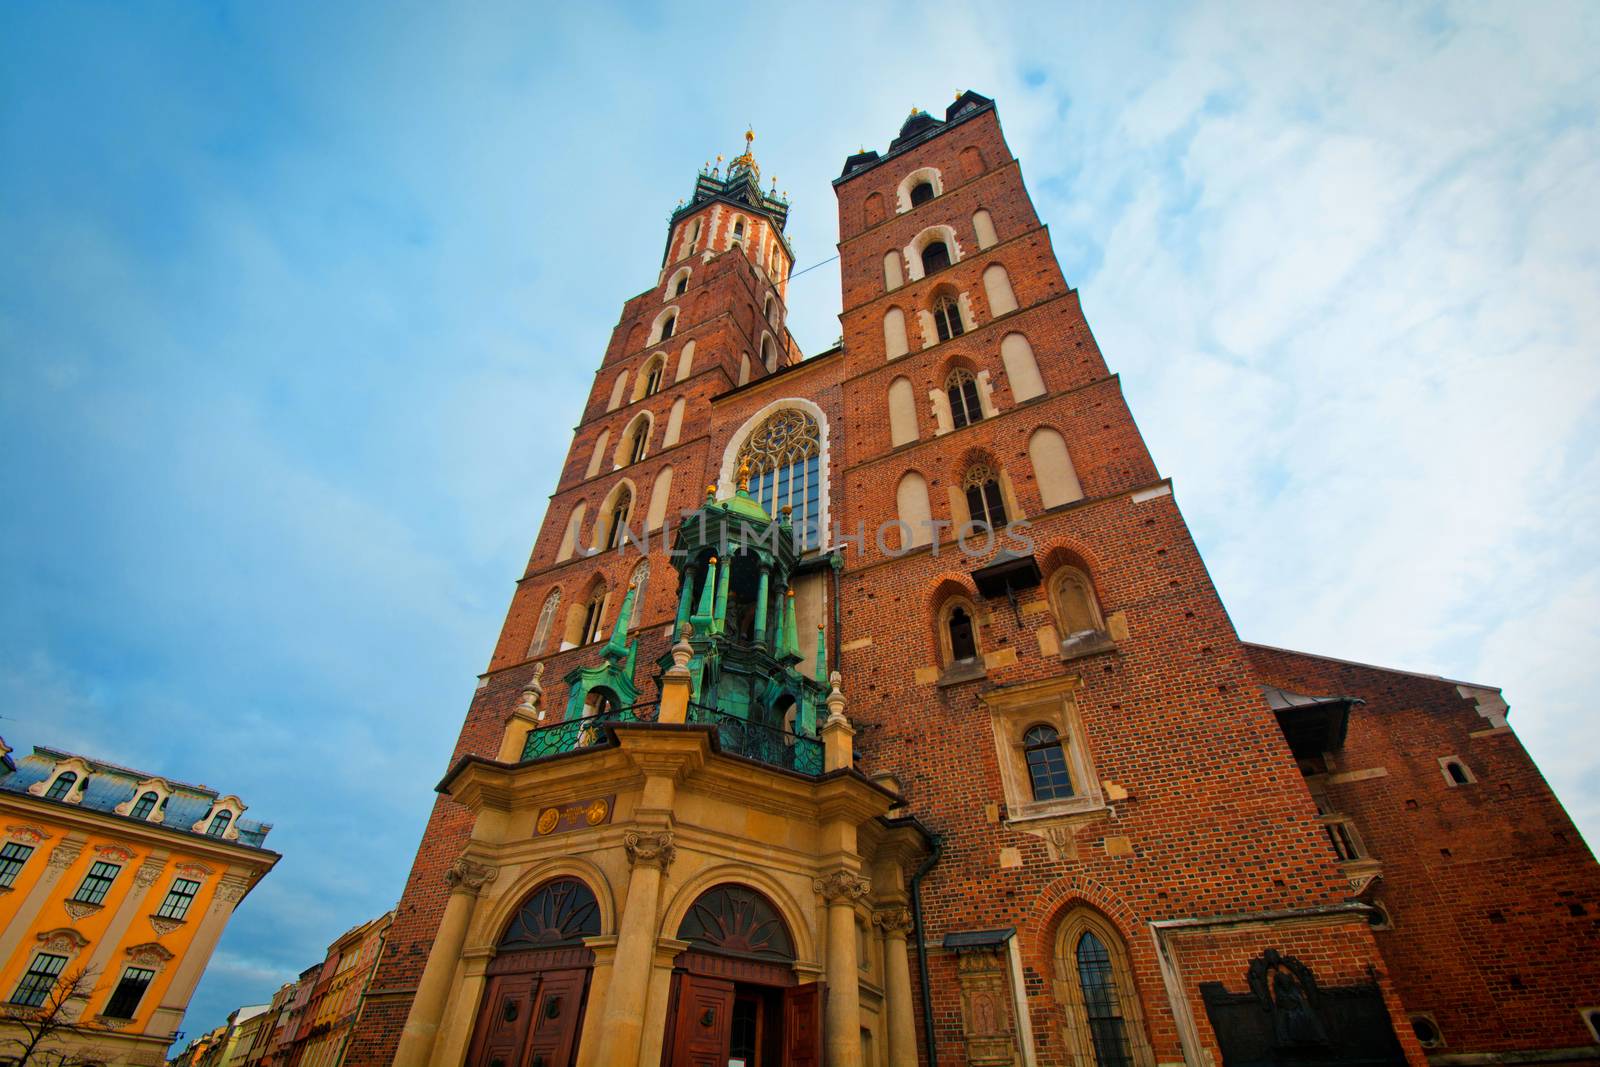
(149,954)
(835,697)
(115,853)
(195,871)
(79,908)
(110,1023)
(465,876)
(531,692)
(1061,843)
(1285,987)
(842,886)
(1360,883)
(232,890)
(894,922)
(64,940)
(163,926)
(63,855)
(987,1018)
(27,835)
(653,847)
(147,873)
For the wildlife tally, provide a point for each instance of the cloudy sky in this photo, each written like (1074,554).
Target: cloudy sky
(299,303)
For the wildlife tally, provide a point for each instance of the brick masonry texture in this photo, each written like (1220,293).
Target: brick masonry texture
(1492,893)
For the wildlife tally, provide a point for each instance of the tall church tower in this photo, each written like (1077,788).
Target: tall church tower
(876,707)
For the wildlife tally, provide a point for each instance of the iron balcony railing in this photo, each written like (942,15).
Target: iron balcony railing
(735,736)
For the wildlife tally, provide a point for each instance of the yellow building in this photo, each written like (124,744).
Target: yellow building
(115,886)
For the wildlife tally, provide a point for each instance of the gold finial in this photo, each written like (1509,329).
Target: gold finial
(749,135)
(744,475)
(719,157)
(711,491)
(958,94)
(713,559)
(789,592)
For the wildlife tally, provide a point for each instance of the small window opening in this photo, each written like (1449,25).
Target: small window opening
(947,318)
(1427,1031)
(146,804)
(962,389)
(668,326)
(619,520)
(61,786)
(935,257)
(963,648)
(219,824)
(921,193)
(1047,763)
(682,286)
(984,502)
(652,381)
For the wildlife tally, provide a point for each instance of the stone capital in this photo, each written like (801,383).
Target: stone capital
(62,856)
(466,876)
(653,847)
(894,922)
(841,886)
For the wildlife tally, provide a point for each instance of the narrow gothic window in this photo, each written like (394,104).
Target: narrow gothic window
(935,257)
(146,804)
(668,326)
(962,389)
(947,318)
(61,786)
(619,519)
(683,284)
(641,575)
(785,456)
(641,438)
(921,193)
(547,618)
(1108,1030)
(591,618)
(219,824)
(984,502)
(738,231)
(652,381)
(962,645)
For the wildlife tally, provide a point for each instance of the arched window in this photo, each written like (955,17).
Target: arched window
(769,353)
(893,276)
(668,324)
(963,642)
(947,317)
(895,344)
(785,457)
(1108,1030)
(562,912)
(219,824)
(1073,601)
(694,237)
(1047,763)
(547,619)
(617,521)
(61,786)
(935,256)
(1096,989)
(736,920)
(985,504)
(768,308)
(921,193)
(682,286)
(962,389)
(592,612)
(652,376)
(639,442)
(738,231)
(902,412)
(983,226)
(145,805)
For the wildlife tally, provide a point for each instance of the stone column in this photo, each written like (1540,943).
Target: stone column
(650,852)
(761,608)
(21,923)
(466,879)
(842,1018)
(895,923)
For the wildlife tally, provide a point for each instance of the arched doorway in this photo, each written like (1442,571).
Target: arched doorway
(736,999)
(538,981)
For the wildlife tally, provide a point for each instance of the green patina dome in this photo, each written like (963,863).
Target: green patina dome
(742,503)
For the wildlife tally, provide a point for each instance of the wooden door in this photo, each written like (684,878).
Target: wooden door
(502,1030)
(802,1025)
(557,1013)
(700,1032)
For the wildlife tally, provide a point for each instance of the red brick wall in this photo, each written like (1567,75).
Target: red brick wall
(1494,897)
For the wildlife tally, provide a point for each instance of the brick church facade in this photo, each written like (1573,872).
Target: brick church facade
(914,730)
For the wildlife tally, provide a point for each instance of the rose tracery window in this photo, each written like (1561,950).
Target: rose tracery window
(985,504)
(785,457)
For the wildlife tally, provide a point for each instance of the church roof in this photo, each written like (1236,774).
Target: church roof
(918,127)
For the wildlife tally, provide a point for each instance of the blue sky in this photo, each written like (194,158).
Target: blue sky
(300,302)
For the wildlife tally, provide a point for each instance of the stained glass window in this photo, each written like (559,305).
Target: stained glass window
(785,456)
